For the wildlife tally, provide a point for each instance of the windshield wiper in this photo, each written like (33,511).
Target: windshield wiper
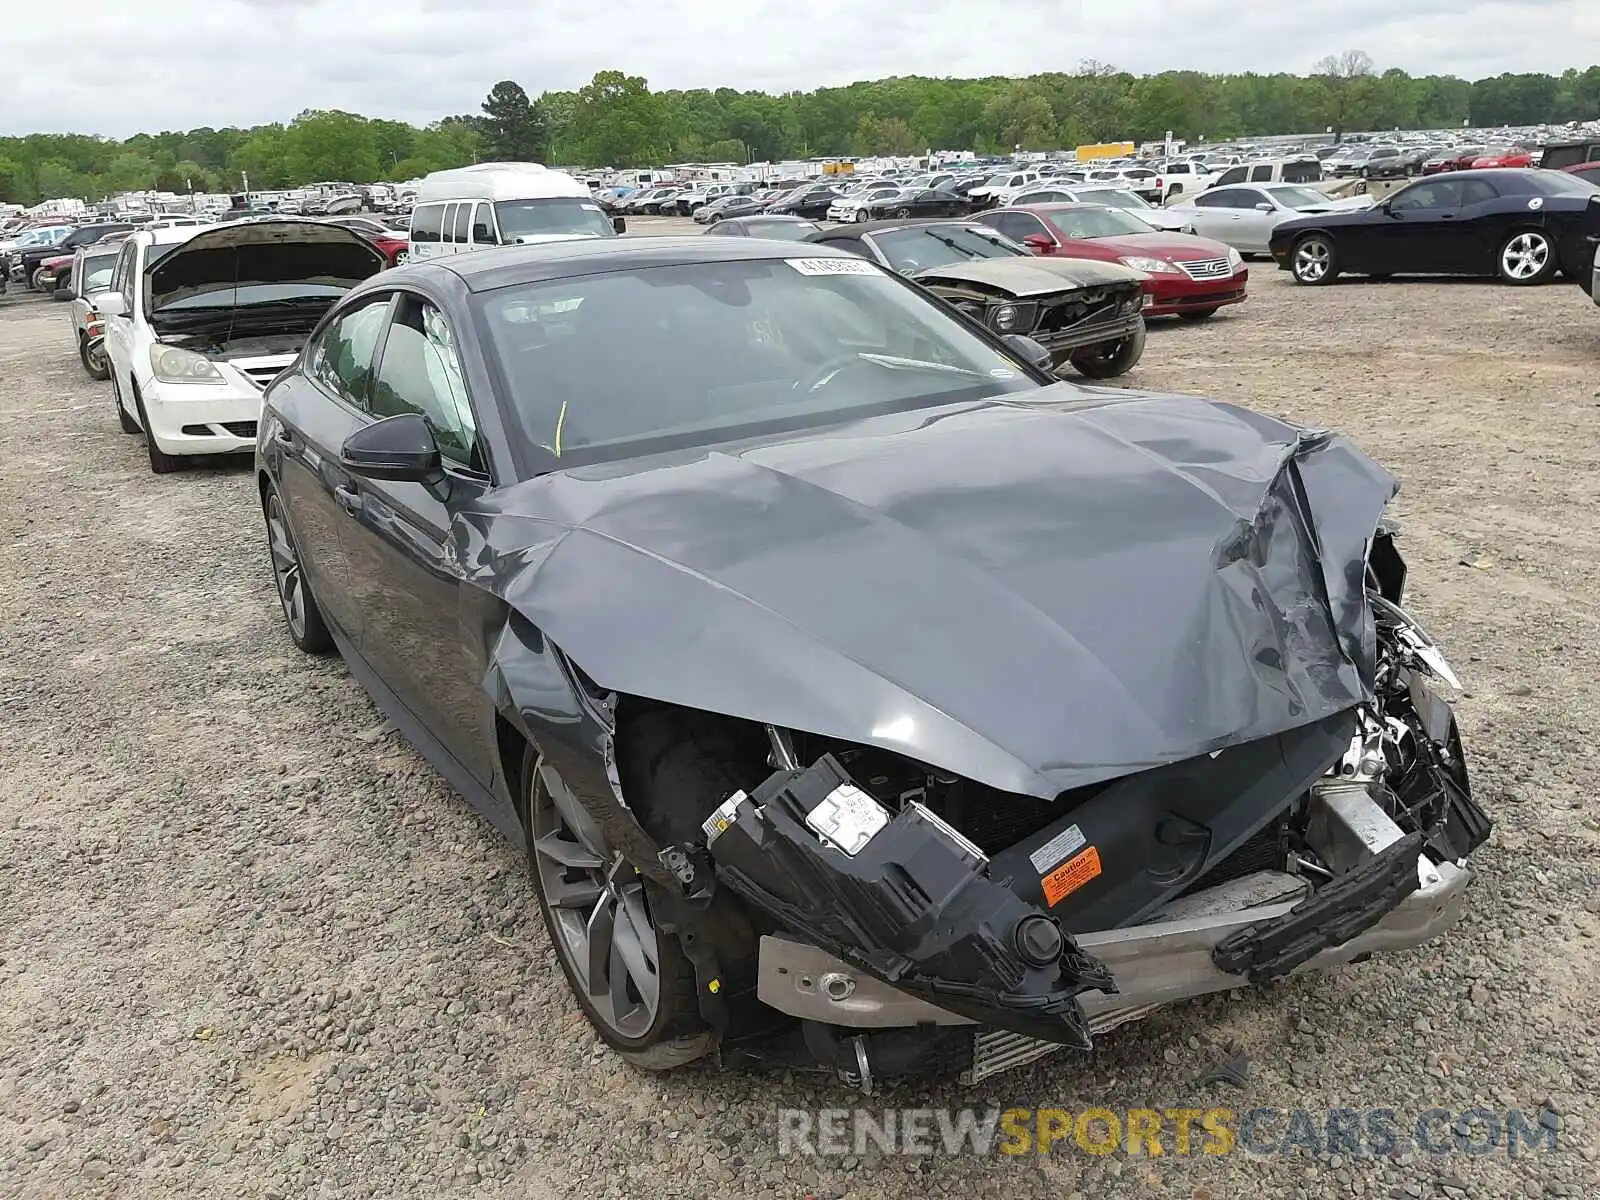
(954,245)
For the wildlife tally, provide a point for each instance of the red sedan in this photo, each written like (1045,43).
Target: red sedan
(1504,156)
(1189,277)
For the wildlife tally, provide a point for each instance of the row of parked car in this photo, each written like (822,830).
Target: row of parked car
(188,358)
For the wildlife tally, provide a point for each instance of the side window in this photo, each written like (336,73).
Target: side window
(1016,225)
(425,223)
(1261,173)
(421,373)
(1476,191)
(1432,196)
(130,272)
(120,271)
(463,221)
(483,225)
(341,359)
(447,224)
(1231,175)
(1222,198)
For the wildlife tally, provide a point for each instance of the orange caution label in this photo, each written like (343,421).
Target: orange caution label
(1070,876)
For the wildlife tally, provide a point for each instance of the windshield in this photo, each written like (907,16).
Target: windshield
(922,246)
(1095,222)
(1301,172)
(554,214)
(1299,197)
(724,350)
(1116,198)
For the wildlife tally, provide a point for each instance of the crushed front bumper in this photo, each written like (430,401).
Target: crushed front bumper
(1094,331)
(1194,946)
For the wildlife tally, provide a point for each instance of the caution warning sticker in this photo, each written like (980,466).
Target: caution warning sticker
(1070,876)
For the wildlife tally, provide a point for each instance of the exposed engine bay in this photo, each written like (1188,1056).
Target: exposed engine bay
(913,920)
(217,343)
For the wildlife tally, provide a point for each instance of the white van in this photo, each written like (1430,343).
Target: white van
(503,204)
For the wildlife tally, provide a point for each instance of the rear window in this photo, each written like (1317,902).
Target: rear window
(1556,157)
(1301,172)
(1561,183)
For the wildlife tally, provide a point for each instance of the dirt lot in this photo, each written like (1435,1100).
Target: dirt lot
(250,946)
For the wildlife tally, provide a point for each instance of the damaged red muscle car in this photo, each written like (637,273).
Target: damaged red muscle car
(864,696)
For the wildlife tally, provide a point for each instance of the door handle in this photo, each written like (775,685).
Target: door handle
(349,499)
(287,438)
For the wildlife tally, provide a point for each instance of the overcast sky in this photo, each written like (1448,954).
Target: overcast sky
(177,64)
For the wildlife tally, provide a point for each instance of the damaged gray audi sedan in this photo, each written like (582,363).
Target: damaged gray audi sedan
(863,696)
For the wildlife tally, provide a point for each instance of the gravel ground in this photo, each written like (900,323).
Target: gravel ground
(250,946)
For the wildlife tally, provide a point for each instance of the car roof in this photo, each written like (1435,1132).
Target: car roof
(506,266)
(499,181)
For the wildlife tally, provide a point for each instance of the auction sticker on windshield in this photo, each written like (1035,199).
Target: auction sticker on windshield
(833,266)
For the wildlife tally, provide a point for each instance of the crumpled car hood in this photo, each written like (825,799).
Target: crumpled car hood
(1030,276)
(1036,595)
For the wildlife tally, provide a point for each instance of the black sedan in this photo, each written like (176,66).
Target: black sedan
(810,202)
(1520,224)
(920,202)
(766,225)
(861,695)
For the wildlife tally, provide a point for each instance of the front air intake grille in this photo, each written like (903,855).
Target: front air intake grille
(1207,268)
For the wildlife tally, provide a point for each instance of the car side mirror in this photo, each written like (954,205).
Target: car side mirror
(1028,350)
(399,448)
(1264,207)
(620,224)
(110,305)
(1039,241)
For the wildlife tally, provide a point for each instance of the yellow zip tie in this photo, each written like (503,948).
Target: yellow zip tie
(561,420)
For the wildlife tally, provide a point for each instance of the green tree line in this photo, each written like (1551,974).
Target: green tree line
(616,120)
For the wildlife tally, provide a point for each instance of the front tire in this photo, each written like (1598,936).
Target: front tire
(36,280)
(301,615)
(1526,258)
(1312,260)
(161,463)
(1110,359)
(402,257)
(631,979)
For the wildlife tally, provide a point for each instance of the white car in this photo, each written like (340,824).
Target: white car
(199,321)
(1244,217)
(853,205)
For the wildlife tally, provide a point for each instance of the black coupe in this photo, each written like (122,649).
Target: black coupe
(860,694)
(1523,225)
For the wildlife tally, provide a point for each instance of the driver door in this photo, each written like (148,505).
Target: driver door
(406,574)
(1418,230)
(119,329)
